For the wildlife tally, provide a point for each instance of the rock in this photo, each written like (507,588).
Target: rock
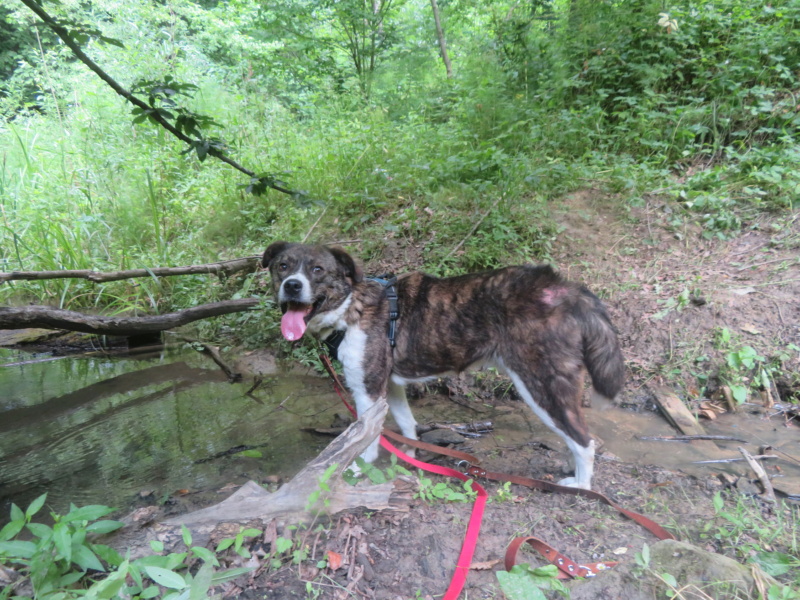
(442,437)
(693,568)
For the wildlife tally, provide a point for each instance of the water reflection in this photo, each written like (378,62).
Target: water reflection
(101,430)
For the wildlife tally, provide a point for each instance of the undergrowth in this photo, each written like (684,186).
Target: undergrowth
(695,101)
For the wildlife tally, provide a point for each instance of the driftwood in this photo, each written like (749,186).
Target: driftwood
(226,267)
(732,460)
(689,438)
(290,500)
(55,318)
(769,493)
(676,412)
(254,506)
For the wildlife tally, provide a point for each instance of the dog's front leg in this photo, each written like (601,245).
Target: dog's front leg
(366,361)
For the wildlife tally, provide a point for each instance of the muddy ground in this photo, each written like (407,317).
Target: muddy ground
(640,261)
(670,292)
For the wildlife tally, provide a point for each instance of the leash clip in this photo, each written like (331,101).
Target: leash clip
(589,572)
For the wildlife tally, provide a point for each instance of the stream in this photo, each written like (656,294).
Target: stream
(125,430)
(128,431)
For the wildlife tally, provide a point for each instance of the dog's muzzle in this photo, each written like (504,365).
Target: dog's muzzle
(294,290)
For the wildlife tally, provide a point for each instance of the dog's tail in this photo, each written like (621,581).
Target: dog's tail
(601,351)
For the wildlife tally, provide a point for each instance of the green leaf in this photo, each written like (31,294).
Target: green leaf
(187,535)
(225,544)
(108,588)
(63,541)
(35,506)
(516,585)
(17,514)
(40,530)
(150,592)
(17,549)
(669,580)
(282,544)
(646,555)
(112,41)
(86,559)
(87,513)
(11,529)
(718,502)
(156,546)
(201,582)
(229,575)
(206,555)
(166,578)
(105,526)
(776,563)
(107,554)
(739,393)
(70,578)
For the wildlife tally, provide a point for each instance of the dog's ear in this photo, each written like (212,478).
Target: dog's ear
(272,251)
(351,269)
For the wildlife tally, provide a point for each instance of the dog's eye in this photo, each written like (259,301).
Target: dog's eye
(317,270)
(283,267)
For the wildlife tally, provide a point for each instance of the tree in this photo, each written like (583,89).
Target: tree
(440,36)
(366,33)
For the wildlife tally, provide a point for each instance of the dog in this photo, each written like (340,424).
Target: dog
(540,329)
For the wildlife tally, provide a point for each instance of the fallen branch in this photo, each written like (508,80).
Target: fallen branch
(56,318)
(769,493)
(731,460)
(213,352)
(471,231)
(252,504)
(293,498)
(689,438)
(154,115)
(226,267)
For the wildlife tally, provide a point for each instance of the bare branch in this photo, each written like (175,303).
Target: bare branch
(56,318)
(61,32)
(226,267)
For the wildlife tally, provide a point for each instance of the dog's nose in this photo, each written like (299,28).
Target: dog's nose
(293,286)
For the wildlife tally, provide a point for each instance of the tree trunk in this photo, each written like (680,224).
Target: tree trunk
(442,43)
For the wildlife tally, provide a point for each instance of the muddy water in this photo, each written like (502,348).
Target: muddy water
(110,430)
(134,431)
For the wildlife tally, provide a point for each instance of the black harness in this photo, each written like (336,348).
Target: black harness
(389,283)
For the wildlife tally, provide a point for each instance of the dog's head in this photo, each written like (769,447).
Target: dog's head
(309,281)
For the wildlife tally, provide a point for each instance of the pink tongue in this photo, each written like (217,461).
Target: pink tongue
(293,325)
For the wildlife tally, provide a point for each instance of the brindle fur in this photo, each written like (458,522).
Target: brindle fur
(526,320)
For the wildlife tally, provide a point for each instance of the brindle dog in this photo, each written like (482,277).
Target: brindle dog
(538,328)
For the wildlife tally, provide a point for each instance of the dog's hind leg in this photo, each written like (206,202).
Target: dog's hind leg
(559,408)
(398,404)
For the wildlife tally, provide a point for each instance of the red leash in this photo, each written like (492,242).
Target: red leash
(567,567)
(473,527)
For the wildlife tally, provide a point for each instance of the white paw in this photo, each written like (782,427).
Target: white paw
(409,452)
(572,482)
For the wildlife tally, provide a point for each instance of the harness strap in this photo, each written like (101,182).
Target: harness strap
(389,283)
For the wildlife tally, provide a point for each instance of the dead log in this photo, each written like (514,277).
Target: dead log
(291,499)
(225,267)
(56,318)
(253,505)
